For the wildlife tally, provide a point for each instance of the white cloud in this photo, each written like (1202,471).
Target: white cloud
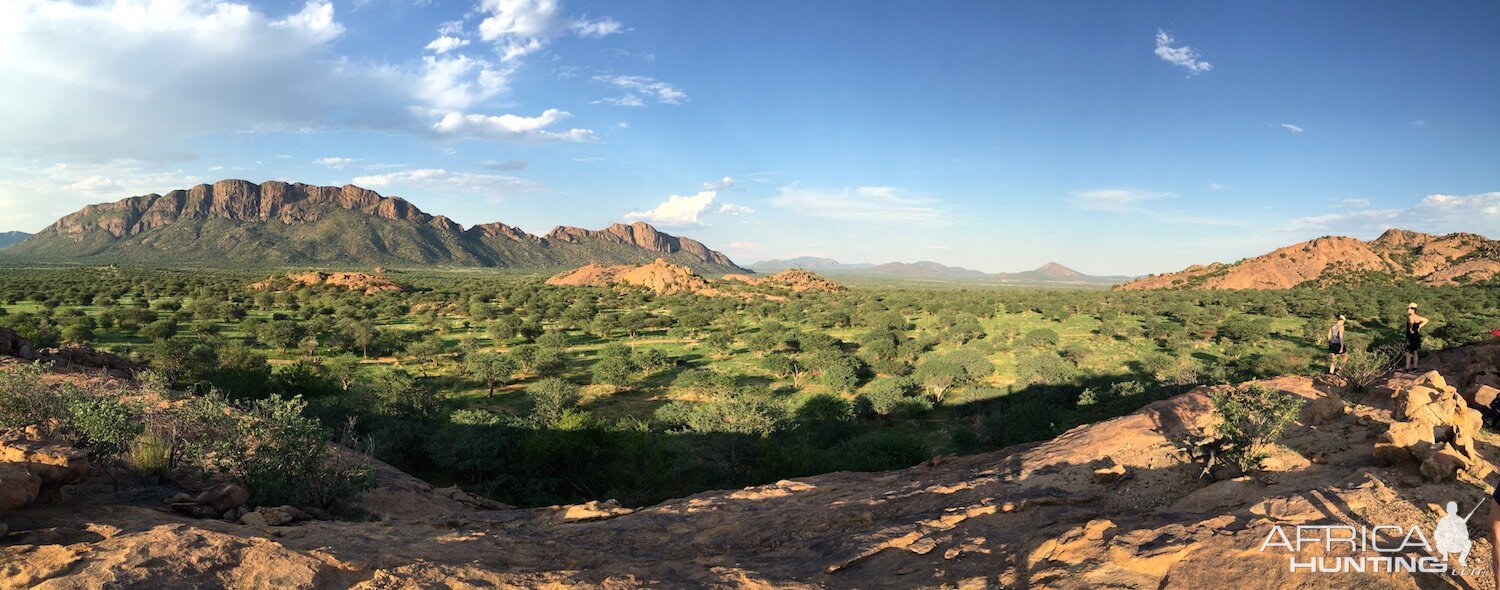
(123,78)
(865,203)
(943,247)
(1184,56)
(491,186)
(1354,203)
(1113,200)
(1216,186)
(1292,128)
(1438,213)
(445,44)
(1419,123)
(117,78)
(596,28)
(510,128)
(680,210)
(334,162)
(68,187)
(663,92)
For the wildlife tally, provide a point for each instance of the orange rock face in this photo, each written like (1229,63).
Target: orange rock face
(353,281)
(1436,260)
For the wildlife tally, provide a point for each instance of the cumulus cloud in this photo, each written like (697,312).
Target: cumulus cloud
(1113,200)
(334,162)
(438,180)
(1438,213)
(865,203)
(123,78)
(663,92)
(685,210)
(511,128)
(1292,128)
(1184,56)
(68,187)
(113,78)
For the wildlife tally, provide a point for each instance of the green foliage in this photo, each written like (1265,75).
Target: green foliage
(1250,418)
(1041,337)
(550,398)
(105,424)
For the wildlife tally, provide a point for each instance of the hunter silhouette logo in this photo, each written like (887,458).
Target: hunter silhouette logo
(1396,549)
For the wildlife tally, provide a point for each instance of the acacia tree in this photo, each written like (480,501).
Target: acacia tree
(490,368)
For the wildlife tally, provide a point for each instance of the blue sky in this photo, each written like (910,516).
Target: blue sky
(1115,138)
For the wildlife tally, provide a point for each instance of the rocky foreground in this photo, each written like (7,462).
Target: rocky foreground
(1118,504)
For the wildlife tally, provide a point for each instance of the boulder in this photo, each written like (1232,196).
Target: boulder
(1323,410)
(594,510)
(1108,472)
(51,460)
(222,498)
(12,344)
(1481,396)
(1433,379)
(1445,464)
(18,487)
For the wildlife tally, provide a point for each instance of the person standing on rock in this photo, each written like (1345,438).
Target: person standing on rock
(1337,354)
(1414,325)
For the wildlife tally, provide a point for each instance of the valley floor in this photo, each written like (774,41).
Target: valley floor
(1032,516)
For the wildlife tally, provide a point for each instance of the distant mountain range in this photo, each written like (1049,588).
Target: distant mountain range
(11,238)
(1050,273)
(1397,254)
(279,223)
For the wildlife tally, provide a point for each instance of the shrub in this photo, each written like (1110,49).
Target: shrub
(1250,418)
(1044,367)
(825,408)
(893,396)
(1363,367)
(1041,337)
(550,398)
(105,424)
(883,449)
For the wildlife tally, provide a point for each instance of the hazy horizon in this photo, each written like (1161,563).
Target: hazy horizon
(1113,139)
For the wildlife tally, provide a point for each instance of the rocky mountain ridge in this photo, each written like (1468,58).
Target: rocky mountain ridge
(1397,253)
(280,222)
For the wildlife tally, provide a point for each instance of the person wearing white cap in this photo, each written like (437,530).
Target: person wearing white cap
(1414,325)
(1336,350)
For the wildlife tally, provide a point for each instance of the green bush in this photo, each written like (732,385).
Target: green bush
(550,398)
(1250,418)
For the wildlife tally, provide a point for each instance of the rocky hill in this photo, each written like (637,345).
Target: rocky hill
(1398,254)
(665,278)
(353,281)
(279,223)
(1125,503)
(11,238)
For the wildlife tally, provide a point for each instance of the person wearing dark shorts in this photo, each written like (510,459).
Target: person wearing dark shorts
(1414,325)
(1336,351)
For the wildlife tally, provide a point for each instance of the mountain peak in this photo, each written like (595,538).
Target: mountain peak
(1057,270)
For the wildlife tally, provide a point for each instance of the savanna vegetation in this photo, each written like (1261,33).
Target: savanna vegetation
(534,394)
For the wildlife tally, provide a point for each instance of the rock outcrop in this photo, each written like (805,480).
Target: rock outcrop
(795,279)
(1434,260)
(665,278)
(354,281)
